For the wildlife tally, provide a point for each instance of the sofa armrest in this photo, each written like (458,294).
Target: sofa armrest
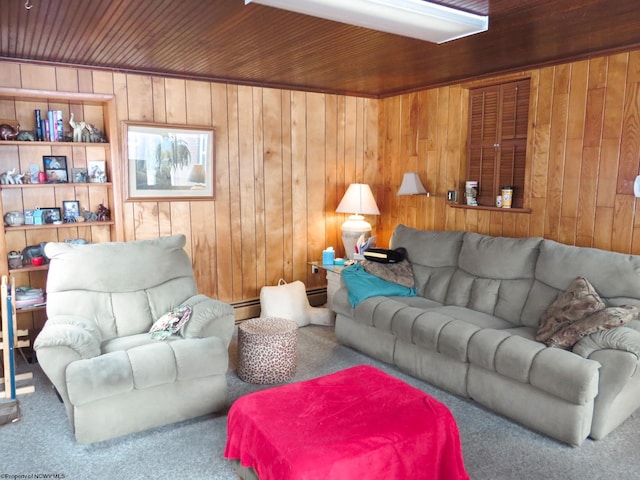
(209,318)
(620,338)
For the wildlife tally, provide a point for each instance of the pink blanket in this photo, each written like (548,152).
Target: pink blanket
(356,423)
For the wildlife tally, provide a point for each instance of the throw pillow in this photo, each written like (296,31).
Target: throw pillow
(604,319)
(170,322)
(400,273)
(578,301)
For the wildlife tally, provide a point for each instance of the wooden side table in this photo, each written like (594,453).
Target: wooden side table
(334,280)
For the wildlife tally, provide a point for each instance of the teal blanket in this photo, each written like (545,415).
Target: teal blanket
(361,285)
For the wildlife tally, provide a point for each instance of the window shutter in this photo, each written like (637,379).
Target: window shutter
(498,125)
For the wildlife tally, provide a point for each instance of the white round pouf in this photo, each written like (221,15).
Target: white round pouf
(267,349)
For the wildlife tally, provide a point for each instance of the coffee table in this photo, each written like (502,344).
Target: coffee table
(355,423)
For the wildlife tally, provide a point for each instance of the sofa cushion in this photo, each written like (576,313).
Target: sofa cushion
(614,276)
(443,334)
(479,319)
(578,301)
(494,275)
(147,262)
(604,319)
(433,256)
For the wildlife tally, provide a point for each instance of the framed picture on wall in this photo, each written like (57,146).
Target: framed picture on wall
(169,161)
(55,168)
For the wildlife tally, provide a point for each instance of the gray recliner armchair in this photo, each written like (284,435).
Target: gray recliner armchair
(95,347)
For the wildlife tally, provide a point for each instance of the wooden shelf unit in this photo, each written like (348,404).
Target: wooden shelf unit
(96,109)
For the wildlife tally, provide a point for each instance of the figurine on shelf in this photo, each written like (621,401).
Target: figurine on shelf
(87,216)
(96,135)
(10,177)
(79,128)
(7,132)
(26,136)
(104,214)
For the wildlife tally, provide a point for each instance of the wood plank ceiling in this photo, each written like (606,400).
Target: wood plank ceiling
(226,40)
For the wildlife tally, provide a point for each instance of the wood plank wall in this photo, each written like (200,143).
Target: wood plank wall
(283,161)
(584,154)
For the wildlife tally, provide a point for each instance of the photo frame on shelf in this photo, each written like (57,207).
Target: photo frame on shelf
(55,168)
(169,161)
(97,171)
(70,211)
(79,175)
(34,170)
(51,215)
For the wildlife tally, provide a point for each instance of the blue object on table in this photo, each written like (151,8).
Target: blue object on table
(328,256)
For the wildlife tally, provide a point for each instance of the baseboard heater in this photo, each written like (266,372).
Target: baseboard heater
(250,308)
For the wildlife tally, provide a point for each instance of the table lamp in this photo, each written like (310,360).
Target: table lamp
(357,200)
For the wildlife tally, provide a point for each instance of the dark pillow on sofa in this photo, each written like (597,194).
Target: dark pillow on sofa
(400,273)
(604,319)
(578,301)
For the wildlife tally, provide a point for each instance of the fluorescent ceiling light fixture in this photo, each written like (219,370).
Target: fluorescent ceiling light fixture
(409,18)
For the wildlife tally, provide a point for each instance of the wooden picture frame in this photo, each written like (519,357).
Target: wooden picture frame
(169,161)
(55,168)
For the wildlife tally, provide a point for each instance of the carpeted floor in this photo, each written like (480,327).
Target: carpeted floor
(494,448)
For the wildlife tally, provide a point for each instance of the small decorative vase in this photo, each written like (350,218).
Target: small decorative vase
(14,219)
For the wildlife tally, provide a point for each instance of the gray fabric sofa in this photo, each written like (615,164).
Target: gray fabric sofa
(96,349)
(471,329)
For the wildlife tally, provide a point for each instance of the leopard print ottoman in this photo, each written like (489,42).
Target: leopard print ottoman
(267,349)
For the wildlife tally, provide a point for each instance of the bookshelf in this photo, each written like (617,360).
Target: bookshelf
(19,106)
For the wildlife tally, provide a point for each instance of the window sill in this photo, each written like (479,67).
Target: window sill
(491,209)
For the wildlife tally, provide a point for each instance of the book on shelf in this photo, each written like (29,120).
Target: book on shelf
(50,128)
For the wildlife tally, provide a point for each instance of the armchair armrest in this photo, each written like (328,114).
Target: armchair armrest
(63,340)
(77,333)
(209,318)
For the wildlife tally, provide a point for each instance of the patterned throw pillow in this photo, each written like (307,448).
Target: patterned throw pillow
(170,322)
(578,301)
(400,273)
(601,320)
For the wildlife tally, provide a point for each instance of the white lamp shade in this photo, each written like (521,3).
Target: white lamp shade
(358,199)
(411,185)
(410,18)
